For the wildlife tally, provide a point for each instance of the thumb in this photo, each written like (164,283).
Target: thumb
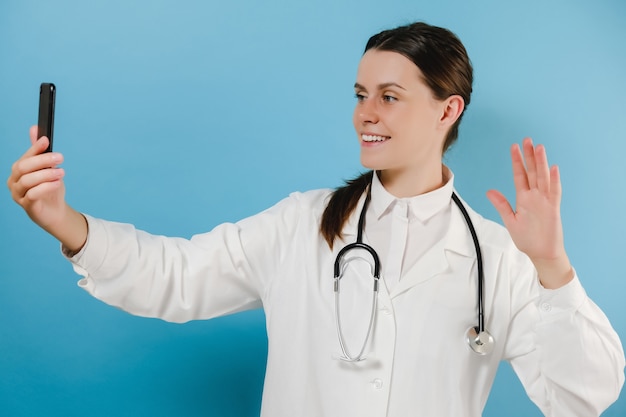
(501,204)
(33,133)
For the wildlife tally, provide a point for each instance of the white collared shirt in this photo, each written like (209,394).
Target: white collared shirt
(403,229)
(418,363)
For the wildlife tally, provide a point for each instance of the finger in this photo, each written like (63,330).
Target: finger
(529,158)
(40,191)
(31,163)
(555,183)
(35,179)
(33,133)
(543,169)
(502,206)
(37,147)
(520,179)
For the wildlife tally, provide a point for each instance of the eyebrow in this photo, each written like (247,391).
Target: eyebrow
(382,86)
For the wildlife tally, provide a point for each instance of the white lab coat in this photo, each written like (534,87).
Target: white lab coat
(559,342)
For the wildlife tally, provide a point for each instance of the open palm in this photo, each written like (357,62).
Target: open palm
(535,223)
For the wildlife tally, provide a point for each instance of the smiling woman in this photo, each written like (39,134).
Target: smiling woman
(420,82)
(440,267)
(402,126)
(205,100)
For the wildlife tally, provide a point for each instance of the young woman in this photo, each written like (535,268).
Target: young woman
(452,294)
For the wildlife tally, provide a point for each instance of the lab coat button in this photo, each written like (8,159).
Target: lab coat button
(385,310)
(377,383)
(546,307)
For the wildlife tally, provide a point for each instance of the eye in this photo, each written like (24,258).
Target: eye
(359,97)
(389,99)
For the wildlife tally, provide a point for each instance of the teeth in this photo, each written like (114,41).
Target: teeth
(373,138)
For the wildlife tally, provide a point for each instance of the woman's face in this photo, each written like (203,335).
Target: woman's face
(397,118)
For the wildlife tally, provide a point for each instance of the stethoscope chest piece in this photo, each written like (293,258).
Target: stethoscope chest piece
(481,342)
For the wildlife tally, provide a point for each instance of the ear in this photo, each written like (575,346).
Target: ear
(452,109)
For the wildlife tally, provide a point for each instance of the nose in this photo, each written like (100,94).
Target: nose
(366,112)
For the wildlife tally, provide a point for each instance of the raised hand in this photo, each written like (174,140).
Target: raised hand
(535,224)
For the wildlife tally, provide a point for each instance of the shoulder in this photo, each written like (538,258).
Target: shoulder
(313,199)
(497,245)
(494,237)
(295,208)
(487,230)
(491,232)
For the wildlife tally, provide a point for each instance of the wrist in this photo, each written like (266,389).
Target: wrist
(71,230)
(554,273)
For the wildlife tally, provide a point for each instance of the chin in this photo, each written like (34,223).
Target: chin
(374,164)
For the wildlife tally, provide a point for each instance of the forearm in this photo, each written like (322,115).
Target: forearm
(70,229)
(174,279)
(575,362)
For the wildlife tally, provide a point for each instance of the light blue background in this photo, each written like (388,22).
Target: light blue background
(179,115)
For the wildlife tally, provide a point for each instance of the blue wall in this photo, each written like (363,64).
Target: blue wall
(179,115)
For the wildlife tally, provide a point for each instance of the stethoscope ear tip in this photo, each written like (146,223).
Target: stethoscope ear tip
(481,342)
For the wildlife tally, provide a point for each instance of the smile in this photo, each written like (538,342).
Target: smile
(374,138)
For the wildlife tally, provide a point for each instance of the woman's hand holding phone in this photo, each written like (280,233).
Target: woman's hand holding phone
(36,184)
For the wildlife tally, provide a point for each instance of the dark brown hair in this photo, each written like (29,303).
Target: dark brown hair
(447,70)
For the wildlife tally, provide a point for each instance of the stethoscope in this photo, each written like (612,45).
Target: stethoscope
(478,339)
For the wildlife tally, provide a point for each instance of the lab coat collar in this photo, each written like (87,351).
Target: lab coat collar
(458,238)
(421,207)
(455,251)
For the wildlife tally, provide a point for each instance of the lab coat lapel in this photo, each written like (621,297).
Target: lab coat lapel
(453,254)
(350,229)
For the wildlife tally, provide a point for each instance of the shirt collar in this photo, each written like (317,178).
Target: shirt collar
(422,207)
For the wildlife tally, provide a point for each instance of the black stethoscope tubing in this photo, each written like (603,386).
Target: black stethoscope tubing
(478,338)
(479,262)
(359,245)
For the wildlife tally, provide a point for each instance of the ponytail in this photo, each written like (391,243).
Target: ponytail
(341,205)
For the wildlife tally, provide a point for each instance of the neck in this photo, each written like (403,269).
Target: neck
(410,183)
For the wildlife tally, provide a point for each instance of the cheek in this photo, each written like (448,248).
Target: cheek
(415,123)
(403,124)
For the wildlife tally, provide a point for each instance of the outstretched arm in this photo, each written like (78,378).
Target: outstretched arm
(535,224)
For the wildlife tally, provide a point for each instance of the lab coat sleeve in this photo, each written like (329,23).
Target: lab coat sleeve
(563,348)
(212,274)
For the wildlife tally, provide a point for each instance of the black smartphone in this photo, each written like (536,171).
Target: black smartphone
(47,95)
